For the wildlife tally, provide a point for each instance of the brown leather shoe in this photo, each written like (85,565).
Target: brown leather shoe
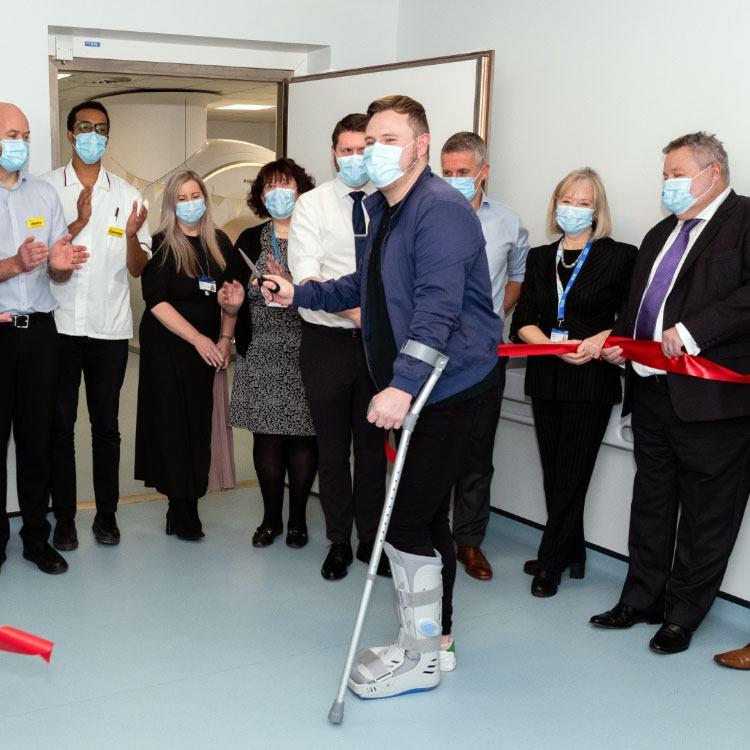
(737,659)
(475,563)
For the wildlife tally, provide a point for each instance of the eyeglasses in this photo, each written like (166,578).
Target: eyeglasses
(83,126)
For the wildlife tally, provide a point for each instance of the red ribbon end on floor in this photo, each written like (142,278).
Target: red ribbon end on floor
(19,642)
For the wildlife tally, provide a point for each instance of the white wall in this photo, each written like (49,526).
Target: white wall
(357,34)
(599,83)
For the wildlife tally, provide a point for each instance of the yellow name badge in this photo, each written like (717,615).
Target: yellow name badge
(35,222)
(116,232)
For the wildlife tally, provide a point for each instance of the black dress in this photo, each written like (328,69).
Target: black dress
(175,387)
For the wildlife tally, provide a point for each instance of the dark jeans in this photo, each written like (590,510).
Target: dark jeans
(702,470)
(102,363)
(339,389)
(437,453)
(471,496)
(569,435)
(28,379)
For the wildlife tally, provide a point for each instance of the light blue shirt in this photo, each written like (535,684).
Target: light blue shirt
(30,207)
(507,245)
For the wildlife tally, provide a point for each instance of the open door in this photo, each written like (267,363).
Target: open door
(455,92)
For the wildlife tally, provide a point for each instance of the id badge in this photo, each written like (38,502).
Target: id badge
(207,285)
(557,335)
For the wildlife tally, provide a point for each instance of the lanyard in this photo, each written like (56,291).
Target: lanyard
(275,245)
(562,295)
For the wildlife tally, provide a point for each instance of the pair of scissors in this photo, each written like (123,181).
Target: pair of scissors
(256,274)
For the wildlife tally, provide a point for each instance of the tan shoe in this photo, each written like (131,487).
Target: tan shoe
(737,659)
(475,563)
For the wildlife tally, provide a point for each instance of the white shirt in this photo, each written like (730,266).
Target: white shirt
(507,245)
(691,347)
(321,241)
(96,300)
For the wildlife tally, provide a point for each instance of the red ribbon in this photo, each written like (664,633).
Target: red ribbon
(648,353)
(390,451)
(18,642)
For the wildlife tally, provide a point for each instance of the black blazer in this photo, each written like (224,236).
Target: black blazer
(597,297)
(711,298)
(249,242)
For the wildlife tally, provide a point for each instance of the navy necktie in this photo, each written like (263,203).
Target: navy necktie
(358,213)
(657,290)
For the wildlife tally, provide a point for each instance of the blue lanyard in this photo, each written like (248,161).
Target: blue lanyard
(275,245)
(562,295)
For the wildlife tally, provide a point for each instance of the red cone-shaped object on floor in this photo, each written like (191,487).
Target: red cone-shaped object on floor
(18,642)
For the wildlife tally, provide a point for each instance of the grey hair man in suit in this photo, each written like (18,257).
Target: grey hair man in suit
(691,292)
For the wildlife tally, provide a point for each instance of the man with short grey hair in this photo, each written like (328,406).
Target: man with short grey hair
(464,163)
(691,292)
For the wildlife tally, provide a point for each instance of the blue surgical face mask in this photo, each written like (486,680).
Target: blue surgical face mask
(382,163)
(465,185)
(191,212)
(352,170)
(280,202)
(15,154)
(676,196)
(574,219)
(90,146)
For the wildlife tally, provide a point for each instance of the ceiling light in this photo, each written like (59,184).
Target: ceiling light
(63,75)
(247,107)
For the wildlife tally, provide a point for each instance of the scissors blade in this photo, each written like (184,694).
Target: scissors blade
(252,265)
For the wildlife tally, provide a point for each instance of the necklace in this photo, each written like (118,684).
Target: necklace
(569,266)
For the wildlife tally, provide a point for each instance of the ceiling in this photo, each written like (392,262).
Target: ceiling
(79,87)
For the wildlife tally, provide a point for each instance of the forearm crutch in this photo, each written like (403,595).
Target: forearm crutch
(438,362)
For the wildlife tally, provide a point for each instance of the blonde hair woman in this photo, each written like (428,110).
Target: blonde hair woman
(182,346)
(573,291)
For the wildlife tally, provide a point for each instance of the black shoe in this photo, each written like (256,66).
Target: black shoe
(180,523)
(194,522)
(264,536)
(364,554)
(296,538)
(623,616)
(105,529)
(670,639)
(339,558)
(65,537)
(545,583)
(45,558)
(577,569)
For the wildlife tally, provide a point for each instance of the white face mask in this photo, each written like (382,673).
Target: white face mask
(382,163)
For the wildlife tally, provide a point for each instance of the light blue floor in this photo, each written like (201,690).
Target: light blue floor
(165,644)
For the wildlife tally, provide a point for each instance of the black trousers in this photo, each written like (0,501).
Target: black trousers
(102,363)
(569,435)
(702,470)
(28,379)
(420,521)
(339,389)
(471,496)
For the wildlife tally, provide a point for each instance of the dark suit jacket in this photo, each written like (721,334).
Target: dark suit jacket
(711,298)
(249,242)
(597,297)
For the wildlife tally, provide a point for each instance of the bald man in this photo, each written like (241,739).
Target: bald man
(34,248)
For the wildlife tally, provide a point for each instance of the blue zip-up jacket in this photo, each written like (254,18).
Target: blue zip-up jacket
(437,286)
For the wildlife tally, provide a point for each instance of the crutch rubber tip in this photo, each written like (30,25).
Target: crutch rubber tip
(336,714)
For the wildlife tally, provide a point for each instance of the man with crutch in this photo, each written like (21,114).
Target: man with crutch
(424,288)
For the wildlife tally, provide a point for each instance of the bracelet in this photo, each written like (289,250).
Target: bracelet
(225,336)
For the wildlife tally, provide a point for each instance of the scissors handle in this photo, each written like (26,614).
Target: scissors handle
(275,289)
